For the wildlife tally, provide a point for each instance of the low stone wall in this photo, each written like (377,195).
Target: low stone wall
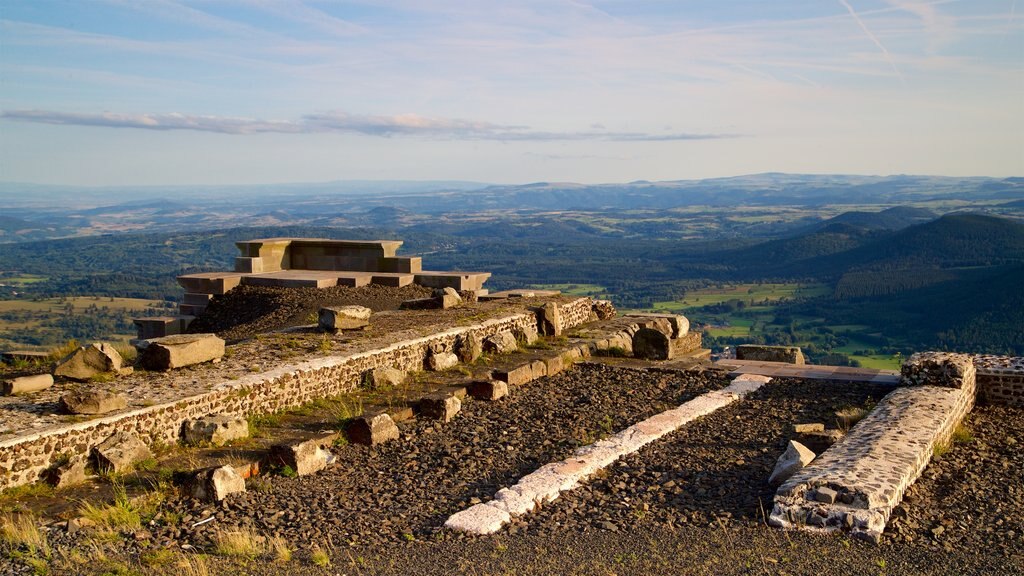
(855,484)
(1000,380)
(787,354)
(576,312)
(24,459)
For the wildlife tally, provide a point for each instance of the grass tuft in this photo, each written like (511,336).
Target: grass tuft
(243,542)
(21,531)
(281,550)
(319,556)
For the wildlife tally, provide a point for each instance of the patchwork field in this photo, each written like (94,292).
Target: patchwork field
(48,322)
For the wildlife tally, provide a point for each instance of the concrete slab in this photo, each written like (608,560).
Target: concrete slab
(460,281)
(210,282)
(293,279)
(393,279)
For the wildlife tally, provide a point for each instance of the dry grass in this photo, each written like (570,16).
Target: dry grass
(847,417)
(192,565)
(319,556)
(243,542)
(58,353)
(281,550)
(21,531)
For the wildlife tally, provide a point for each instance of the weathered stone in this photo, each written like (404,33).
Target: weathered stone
(383,378)
(825,495)
(549,319)
(604,309)
(448,301)
(92,402)
(813,427)
(442,407)
(120,453)
(448,291)
(88,361)
(469,347)
(372,429)
(214,430)
(26,384)
(420,304)
(756,352)
(442,361)
(554,365)
(792,460)
(66,474)
(181,350)
(501,343)
(215,484)
(678,323)
(652,344)
(489,390)
(938,369)
(517,375)
(307,457)
(335,318)
(527,334)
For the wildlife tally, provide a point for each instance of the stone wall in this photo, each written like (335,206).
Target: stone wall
(1000,380)
(757,352)
(24,459)
(576,312)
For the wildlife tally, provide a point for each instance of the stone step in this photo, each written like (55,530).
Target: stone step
(210,282)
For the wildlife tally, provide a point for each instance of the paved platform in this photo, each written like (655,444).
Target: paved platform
(809,371)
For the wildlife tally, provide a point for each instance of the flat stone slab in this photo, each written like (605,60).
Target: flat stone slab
(214,430)
(92,402)
(181,350)
(372,429)
(810,372)
(88,361)
(874,464)
(547,482)
(335,318)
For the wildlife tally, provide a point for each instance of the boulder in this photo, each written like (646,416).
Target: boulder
(469,347)
(181,350)
(652,344)
(446,301)
(439,361)
(441,407)
(120,453)
(382,378)
(306,457)
(489,390)
(214,484)
(26,384)
(501,343)
(92,402)
(792,461)
(549,319)
(214,430)
(335,318)
(67,473)
(372,429)
(88,361)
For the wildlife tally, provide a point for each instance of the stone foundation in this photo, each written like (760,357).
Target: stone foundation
(1000,380)
(24,459)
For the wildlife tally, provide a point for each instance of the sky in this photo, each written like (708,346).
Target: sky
(176,92)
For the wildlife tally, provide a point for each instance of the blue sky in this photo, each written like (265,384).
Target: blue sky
(260,91)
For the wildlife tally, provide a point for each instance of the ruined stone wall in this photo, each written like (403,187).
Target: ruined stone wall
(24,459)
(576,312)
(1000,380)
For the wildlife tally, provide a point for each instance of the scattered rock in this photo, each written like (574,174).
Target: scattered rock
(181,350)
(372,429)
(66,474)
(501,343)
(214,484)
(439,361)
(335,318)
(92,402)
(88,361)
(214,430)
(549,319)
(441,407)
(120,453)
(26,384)
(792,460)
(450,292)
(489,390)
(383,378)
(305,458)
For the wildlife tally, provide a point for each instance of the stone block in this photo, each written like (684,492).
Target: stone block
(945,369)
(461,281)
(394,280)
(67,473)
(157,326)
(469,347)
(214,430)
(549,319)
(553,365)
(181,350)
(92,402)
(489,390)
(787,354)
(688,344)
(678,323)
(652,344)
(448,291)
(500,343)
(440,361)
(215,484)
(372,429)
(120,453)
(792,460)
(88,361)
(448,301)
(305,457)
(518,375)
(527,334)
(442,407)
(191,309)
(825,495)
(383,378)
(210,282)
(26,384)
(335,318)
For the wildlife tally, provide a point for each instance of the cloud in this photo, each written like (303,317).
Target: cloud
(873,38)
(341,122)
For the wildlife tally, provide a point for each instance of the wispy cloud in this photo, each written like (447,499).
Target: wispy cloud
(371,125)
(873,38)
